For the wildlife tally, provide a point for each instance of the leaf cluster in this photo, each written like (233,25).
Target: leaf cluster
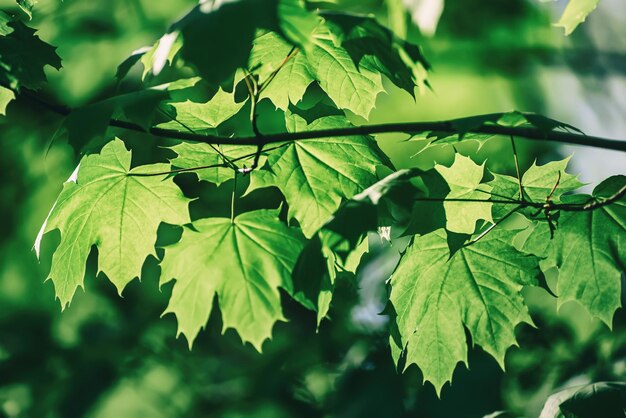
(476,238)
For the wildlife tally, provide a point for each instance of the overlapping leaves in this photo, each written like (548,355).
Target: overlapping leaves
(315,175)
(588,250)
(463,269)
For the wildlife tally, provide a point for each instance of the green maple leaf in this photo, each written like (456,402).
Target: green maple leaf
(464,180)
(23,55)
(435,295)
(537,182)
(119,213)
(588,251)
(202,117)
(315,175)
(351,87)
(243,262)
(317,270)
(291,81)
(372,45)
(346,55)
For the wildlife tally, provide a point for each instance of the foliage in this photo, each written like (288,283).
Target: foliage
(272,114)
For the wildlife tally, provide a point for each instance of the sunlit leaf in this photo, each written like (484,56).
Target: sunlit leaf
(575,13)
(315,175)
(243,262)
(436,295)
(464,179)
(118,212)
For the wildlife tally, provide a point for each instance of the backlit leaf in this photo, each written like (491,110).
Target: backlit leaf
(437,294)
(243,262)
(108,207)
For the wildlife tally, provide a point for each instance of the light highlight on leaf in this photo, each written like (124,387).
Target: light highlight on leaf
(436,294)
(243,263)
(116,212)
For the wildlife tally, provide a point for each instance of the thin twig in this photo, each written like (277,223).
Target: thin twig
(254,92)
(232,199)
(568,207)
(594,204)
(178,170)
(501,196)
(213,147)
(203,167)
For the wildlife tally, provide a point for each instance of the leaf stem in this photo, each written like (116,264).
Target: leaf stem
(214,147)
(232,199)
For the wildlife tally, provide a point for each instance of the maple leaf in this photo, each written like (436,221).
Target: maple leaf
(464,178)
(538,182)
(241,261)
(205,116)
(23,55)
(192,155)
(109,207)
(293,77)
(436,294)
(315,175)
(587,249)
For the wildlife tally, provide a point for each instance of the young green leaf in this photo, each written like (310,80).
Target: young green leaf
(243,262)
(370,44)
(538,182)
(464,178)
(216,169)
(351,87)
(270,53)
(119,213)
(200,117)
(436,294)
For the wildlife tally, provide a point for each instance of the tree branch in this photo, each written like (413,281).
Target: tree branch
(407,127)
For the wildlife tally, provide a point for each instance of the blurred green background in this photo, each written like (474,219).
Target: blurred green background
(107,356)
